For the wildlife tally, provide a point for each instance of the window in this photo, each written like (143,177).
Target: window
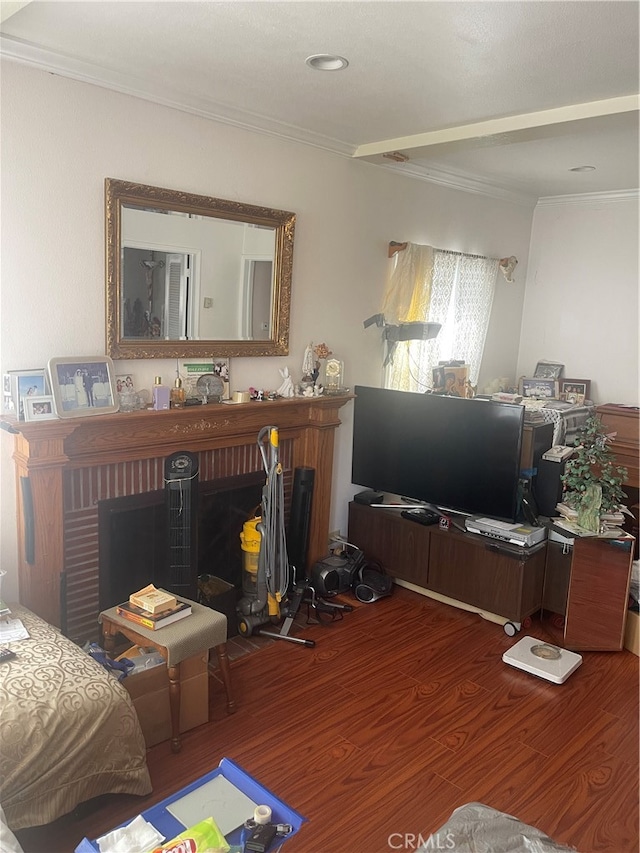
(461,295)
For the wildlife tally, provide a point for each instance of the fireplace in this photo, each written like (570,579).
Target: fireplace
(66,468)
(133,544)
(116,535)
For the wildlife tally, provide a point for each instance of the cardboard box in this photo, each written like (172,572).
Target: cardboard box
(149,691)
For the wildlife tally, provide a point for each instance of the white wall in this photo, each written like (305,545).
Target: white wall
(61,138)
(581,297)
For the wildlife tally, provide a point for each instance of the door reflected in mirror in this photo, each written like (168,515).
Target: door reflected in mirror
(192,275)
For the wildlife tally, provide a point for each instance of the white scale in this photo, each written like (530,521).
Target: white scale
(542,659)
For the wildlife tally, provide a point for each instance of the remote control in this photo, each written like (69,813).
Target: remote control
(6,654)
(422,516)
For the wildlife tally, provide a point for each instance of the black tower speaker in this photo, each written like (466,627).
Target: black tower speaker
(300,520)
(548,486)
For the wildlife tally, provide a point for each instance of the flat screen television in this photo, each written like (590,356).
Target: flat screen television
(452,453)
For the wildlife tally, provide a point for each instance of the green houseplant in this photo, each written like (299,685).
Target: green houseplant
(592,482)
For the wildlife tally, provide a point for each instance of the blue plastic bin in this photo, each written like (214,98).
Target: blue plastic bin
(169,826)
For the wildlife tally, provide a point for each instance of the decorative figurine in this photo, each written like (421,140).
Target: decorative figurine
(507,266)
(308,365)
(286,389)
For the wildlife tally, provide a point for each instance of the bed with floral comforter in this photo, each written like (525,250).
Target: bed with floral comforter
(68,729)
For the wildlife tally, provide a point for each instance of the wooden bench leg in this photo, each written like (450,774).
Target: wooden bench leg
(225,672)
(174,704)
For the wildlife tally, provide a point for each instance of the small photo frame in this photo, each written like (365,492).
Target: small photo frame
(575,391)
(83,386)
(124,382)
(8,403)
(539,389)
(548,370)
(221,369)
(39,408)
(193,370)
(20,384)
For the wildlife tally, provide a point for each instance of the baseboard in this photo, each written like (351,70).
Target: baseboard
(452,602)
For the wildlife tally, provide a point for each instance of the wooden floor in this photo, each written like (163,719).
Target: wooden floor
(402,712)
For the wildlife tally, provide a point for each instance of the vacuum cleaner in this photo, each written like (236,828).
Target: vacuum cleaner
(270,590)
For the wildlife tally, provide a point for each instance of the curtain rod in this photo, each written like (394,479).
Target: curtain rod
(400,247)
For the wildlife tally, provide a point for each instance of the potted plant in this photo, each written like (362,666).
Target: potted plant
(592,482)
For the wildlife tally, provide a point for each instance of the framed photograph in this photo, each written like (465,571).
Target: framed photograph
(202,377)
(575,391)
(20,384)
(539,389)
(548,370)
(83,386)
(124,382)
(8,405)
(221,369)
(39,408)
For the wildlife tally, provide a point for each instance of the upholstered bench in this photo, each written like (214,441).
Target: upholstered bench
(203,629)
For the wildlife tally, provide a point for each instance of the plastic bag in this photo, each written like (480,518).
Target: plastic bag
(147,660)
(203,837)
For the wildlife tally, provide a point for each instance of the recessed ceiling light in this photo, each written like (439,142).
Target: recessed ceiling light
(583,169)
(326,62)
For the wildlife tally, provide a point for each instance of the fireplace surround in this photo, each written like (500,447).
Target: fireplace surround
(66,468)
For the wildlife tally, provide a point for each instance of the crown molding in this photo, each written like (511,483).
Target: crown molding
(589,198)
(62,65)
(95,75)
(460,181)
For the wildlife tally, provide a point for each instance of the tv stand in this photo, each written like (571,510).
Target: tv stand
(503,579)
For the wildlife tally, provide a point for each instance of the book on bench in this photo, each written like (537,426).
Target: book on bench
(153,600)
(153,621)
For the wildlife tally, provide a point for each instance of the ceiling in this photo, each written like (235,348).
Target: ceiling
(496,97)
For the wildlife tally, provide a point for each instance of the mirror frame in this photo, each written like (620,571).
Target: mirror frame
(119,193)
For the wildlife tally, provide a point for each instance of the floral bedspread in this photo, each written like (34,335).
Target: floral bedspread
(68,730)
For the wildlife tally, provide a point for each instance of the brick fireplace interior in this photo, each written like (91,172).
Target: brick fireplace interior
(133,543)
(116,538)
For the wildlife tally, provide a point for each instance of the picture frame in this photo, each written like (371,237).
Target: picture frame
(575,391)
(83,386)
(20,384)
(192,371)
(221,369)
(124,382)
(40,408)
(8,405)
(537,388)
(548,370)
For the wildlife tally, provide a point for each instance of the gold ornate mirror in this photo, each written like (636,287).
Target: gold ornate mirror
(190,275)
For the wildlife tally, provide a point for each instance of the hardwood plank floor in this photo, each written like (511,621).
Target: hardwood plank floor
(402,712)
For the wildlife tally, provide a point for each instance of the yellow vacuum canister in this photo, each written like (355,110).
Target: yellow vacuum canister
(250,543)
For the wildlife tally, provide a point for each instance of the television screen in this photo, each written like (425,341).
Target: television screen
(456,454)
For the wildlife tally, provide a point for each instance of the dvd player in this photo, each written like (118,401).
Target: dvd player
(523,535)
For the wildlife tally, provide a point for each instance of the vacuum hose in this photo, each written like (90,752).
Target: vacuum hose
(273,561)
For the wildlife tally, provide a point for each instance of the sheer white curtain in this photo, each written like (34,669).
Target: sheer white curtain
(450,288)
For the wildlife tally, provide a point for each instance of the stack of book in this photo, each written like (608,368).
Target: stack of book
(153,608)
(568,520)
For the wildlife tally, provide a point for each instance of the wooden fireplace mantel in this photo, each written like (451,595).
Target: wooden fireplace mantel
(44,451)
